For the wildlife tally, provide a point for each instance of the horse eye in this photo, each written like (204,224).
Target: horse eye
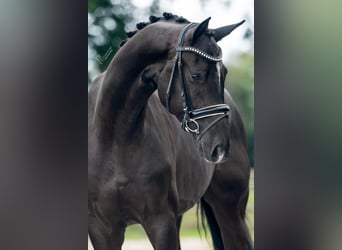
(196,76)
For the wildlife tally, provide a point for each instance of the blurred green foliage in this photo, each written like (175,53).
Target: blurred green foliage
(108,22)
(240,83)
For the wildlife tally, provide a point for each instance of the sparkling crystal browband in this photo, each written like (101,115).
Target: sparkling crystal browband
(200,53)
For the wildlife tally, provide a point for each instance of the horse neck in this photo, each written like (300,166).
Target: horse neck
(122,100)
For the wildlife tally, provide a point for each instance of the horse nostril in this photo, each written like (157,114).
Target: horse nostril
(218,153)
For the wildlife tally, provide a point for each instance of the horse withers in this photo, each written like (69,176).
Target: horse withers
(165,135)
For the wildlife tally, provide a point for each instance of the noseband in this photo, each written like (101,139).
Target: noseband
(189,122)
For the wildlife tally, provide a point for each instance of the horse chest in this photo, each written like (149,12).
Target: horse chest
(128,174)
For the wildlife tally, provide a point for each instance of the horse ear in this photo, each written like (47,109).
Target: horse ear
(221,32)
(201,28)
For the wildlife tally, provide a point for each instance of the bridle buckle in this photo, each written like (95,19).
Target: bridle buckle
(188,126)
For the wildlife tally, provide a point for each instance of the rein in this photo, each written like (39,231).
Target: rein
(189,122)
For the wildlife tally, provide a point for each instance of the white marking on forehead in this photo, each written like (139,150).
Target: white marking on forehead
(218,68)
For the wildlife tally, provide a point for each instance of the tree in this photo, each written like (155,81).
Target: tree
(107,24)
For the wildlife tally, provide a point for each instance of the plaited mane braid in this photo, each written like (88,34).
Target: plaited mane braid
(168,17)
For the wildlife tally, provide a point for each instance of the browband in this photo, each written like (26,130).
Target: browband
(200,53)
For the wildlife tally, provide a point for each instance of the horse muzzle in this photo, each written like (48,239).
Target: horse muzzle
(217,154)
(214,145)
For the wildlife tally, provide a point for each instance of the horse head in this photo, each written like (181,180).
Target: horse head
(191,86)
(190,81)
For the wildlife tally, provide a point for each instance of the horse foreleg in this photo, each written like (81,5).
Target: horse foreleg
(105,237)
(227,226)
(179,223)
(226,201)
(163,232)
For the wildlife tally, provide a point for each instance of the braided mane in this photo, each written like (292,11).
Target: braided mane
(153,19)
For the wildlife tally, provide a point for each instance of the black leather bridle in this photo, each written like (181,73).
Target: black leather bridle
(189,122)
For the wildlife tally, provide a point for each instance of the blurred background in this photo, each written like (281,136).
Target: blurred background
(109,20)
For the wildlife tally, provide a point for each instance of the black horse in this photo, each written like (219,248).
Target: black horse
(161,127)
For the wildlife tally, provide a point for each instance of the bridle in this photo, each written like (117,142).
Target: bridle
(189,122)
